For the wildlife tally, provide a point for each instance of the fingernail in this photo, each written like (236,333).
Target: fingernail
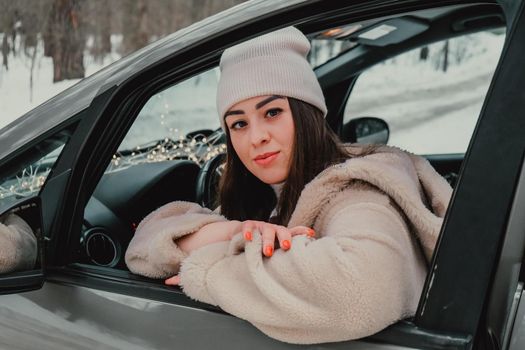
(175,280)
(248,235)
(311,232)
(285,244)
(268,251)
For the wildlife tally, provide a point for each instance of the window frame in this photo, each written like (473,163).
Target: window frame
(407,50)
(350,64)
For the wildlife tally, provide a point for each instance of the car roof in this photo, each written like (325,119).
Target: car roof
(75,99)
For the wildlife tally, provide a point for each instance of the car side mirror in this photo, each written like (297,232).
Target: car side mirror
(366,130)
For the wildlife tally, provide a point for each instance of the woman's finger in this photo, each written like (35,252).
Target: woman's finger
(247,229)
(268,239)
(302,230)
(284,236)
(173,281)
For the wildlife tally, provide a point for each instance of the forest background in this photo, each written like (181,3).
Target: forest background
(64,27)
(48,45)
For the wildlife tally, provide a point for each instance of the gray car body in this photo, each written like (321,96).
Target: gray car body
(67,317)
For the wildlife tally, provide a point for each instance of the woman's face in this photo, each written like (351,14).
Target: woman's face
(262,134)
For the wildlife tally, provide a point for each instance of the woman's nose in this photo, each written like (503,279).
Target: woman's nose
(259,134)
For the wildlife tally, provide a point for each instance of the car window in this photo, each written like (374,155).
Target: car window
(26,174)
(431,96)
(324,49)
(174,123)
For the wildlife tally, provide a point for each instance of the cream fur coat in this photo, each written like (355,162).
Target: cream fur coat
(377,219)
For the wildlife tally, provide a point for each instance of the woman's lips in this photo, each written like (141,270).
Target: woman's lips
(266,160)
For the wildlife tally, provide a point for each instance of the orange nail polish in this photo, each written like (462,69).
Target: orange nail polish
(311,232)
(268,251)
(285,244)
(248,235)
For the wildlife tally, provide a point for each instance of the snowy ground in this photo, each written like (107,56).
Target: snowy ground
(428,111)
(16,96)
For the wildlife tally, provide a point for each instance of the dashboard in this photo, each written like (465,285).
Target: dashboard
(123,198)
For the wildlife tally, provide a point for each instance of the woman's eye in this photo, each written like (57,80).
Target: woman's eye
(273,112)
(238,125)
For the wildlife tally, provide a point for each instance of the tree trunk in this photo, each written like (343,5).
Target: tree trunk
(5,51)
(445,57)
(135,28)
(100,18)
(64,40)
(423,53)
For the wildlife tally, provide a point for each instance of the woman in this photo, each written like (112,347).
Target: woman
(355,225)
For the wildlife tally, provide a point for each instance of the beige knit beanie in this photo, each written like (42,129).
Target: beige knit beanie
(271,64)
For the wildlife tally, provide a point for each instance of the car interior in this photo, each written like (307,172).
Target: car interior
(122,198)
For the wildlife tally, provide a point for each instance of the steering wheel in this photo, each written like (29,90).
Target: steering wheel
(207,185)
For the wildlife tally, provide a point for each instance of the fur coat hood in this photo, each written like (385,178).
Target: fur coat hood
(376,217)
(409,180)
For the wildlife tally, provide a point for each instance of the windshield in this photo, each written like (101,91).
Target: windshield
(181,121)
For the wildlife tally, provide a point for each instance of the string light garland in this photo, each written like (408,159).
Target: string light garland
(27,183)
(198,148)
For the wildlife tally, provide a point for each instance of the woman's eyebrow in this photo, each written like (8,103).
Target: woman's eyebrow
(268,100)
(232,113)
(257,106)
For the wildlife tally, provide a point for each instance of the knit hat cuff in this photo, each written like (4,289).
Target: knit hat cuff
(273,64)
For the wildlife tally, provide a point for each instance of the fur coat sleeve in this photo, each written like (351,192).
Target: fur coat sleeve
(18,245)
(152,251)
(362,274)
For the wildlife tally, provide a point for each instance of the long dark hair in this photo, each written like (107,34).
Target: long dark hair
(243,196)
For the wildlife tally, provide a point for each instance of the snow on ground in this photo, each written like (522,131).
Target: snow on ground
(428,111)
(16,97)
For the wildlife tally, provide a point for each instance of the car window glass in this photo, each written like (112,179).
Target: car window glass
(323,50)
(174,123)
(25,175)
(431,96)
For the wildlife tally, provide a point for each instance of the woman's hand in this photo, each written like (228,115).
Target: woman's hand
(270,232)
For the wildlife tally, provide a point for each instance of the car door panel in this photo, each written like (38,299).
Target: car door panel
(62,316)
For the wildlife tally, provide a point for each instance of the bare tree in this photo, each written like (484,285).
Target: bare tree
(65,26)
(98,17)
(445,56)
(135,24)
(64,40)
(5,51)
(423,53)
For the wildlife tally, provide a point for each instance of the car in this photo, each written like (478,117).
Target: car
(86,166)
